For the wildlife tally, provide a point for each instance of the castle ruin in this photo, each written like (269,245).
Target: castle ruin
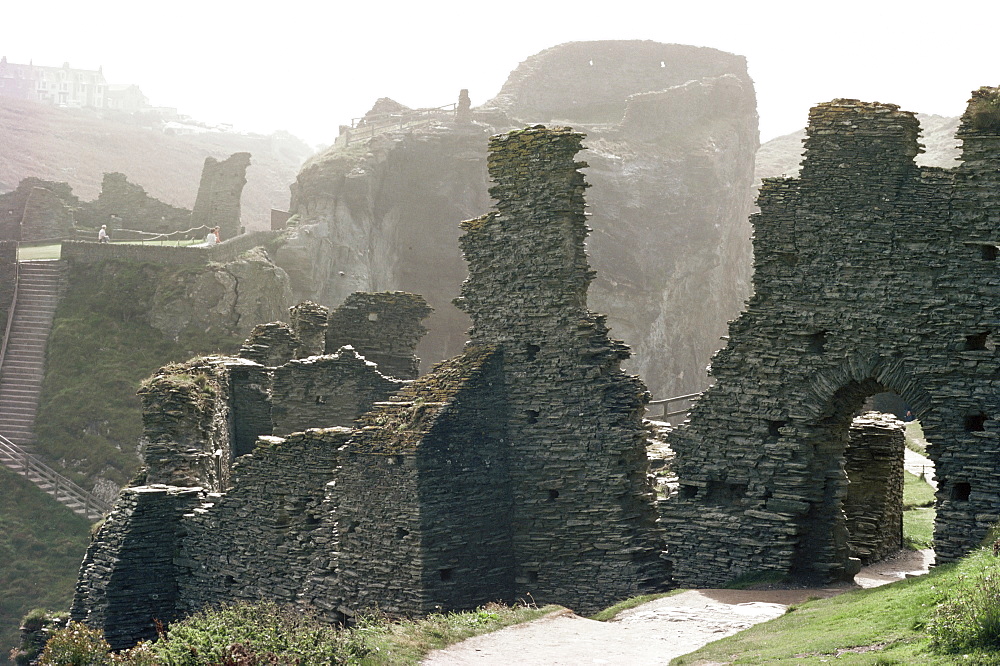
(871,275)
(514,470)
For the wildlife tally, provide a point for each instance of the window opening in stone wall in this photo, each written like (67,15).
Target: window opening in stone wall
(372,316)
(532,351)
(688,492)
(817,342)
(531,416)
(352,526)
(989,252)
(979,342)
(532,576)
(447,574)
(553,495)
(402,533)
(961,491)
(975,422)
(774,428)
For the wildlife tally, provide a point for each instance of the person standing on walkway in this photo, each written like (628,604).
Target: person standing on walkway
(102,235)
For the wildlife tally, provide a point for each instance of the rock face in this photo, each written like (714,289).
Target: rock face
(671,137)
(234,296)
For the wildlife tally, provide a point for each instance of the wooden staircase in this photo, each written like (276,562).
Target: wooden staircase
(23,367)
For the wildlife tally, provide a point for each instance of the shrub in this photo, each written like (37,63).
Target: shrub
(985,111)
(76,645)
(969,621)
(248,635)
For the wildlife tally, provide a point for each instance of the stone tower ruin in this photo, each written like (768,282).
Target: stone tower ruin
(514,470)
(871,275)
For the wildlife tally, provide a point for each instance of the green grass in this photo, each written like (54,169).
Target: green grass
(918,512)
(884,625)
(41,547)
(914,435)
(269,634)
(35,252)
(101,348)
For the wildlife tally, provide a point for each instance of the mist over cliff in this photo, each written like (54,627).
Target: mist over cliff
(672,132)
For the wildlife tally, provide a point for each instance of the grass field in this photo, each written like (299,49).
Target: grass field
(879,626)
(52,251)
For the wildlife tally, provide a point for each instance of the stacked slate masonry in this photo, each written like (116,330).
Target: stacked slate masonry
(515,470)
(871,274)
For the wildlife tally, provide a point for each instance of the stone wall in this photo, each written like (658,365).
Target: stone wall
(515,470)
(421,507)
(383,327)
(328,390)
(60,200)
(255,542)
(585,529)
(873,504)
(46,216)
(125,205)
(181,411)
(229,250)
(128,579)
(219,193)
(871,275)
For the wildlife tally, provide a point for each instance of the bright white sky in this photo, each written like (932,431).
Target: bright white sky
(309,66)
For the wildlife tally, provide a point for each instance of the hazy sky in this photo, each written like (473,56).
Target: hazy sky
(308,67)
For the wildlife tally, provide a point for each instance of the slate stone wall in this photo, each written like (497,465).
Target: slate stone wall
(219,193)
(421,510)
(254,543)
(384,327)
(129,576)
(871,275)
(329,390)
(873,499)
(584,520)
(8,273)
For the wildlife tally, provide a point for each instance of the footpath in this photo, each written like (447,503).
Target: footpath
(654,633)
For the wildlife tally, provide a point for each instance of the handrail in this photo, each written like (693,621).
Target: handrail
(92,504)
(13,305)
(677,398)
(367,127)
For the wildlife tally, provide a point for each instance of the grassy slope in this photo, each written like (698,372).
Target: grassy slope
(89,419)
(884,625)
(41,546)
(88,425)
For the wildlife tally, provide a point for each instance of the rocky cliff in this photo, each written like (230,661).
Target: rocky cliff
(672,132)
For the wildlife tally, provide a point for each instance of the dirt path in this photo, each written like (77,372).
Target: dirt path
(656,632)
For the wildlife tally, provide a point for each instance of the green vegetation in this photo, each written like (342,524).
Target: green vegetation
(918,512)
(101,348)
(41,547)
(895,624)
(985,110)
(269,634)
(35,252)
(914,435)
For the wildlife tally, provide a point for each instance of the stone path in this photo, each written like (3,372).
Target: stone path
(656,632)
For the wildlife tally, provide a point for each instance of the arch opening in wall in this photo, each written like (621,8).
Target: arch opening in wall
(855,517)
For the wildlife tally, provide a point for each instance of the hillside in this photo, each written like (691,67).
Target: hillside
(78,147)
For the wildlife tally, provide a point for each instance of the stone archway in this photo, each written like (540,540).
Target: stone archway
(870,273)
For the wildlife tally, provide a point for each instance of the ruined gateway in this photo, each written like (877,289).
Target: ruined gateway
(515,470)
(519,466)
(871,274)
